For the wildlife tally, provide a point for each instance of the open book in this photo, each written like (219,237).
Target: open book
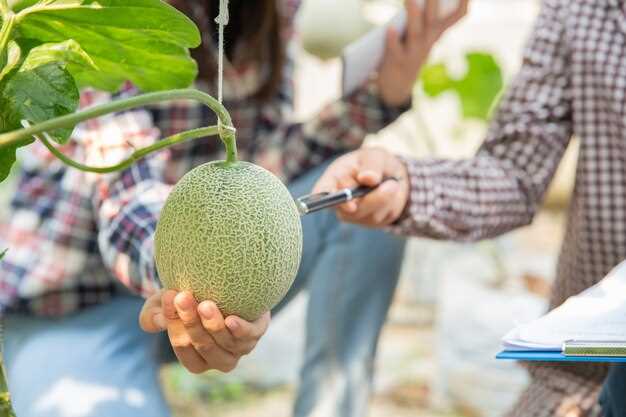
(592,323)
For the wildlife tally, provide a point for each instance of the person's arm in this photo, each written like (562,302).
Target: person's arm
(293,148)
(503,185)
(126,204)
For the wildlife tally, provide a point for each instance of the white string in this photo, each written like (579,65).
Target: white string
(222,20)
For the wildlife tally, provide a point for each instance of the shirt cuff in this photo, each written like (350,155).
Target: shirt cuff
(419,207)
(390,113)
(369,97)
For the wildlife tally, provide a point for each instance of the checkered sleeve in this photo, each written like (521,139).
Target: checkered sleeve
(502,186)
(341,126)
(127,204)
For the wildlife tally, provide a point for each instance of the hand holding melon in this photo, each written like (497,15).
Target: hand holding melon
(200,336)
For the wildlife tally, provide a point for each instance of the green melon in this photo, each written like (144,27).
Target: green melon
(230,233)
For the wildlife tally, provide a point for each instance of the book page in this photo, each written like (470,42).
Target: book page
(596,315)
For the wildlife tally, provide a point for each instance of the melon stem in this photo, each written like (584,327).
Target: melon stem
(225,129)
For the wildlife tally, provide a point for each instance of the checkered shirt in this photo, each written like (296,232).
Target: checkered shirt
(572,82)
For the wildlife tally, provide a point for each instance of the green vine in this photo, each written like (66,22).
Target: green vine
(8,25)
(225,128)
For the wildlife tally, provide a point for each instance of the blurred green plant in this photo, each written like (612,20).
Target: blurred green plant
(210,388)
(5,399)
(477,90)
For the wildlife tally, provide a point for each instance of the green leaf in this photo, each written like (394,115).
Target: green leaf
(14,54)
(38,95)
(4,252)
(477,90)
(18,5)
(435,80)
(144,41)
(68,53)
(7,160)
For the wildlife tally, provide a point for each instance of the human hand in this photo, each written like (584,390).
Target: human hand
(368,166)
(200,336)
(404,56)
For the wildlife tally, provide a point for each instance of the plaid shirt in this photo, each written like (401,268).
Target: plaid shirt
(572,82)
(76,239)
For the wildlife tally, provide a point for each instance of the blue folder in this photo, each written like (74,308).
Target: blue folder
(553,357)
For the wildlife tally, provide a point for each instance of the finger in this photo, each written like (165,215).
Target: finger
(350,219)
(379,202)
(167,304)
(391,218)
(187,310)
(457,15)
(415,24)
(431,14)
(196,349)
(151,318)
(370,178)
(187,355)
(193,361)
(213,322)
(395,49)
(348,208)
(246,331)
(186,305)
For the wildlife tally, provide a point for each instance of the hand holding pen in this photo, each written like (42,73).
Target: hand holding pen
(368,167)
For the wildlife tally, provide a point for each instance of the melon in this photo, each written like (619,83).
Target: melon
(230,233)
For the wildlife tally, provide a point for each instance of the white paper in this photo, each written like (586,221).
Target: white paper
(596,315)
(364,56)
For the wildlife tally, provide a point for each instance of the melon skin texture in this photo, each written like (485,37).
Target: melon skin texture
(230,233)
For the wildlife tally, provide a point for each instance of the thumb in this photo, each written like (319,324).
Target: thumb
(151,318)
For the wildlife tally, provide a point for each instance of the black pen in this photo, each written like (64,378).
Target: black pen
(316,202)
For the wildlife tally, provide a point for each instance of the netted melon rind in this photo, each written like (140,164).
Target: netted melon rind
(230,233)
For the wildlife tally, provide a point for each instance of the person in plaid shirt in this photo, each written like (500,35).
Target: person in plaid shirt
(81,245)
(572,82)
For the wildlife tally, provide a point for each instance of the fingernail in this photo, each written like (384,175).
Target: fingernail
(183,302)
(232,324)
(207,311)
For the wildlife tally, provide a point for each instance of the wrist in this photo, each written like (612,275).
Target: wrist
(402,174)
(394,102)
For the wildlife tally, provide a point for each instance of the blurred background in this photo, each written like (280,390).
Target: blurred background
(454,302)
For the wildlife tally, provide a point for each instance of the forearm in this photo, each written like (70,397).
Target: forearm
(467,200)
(127,223)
